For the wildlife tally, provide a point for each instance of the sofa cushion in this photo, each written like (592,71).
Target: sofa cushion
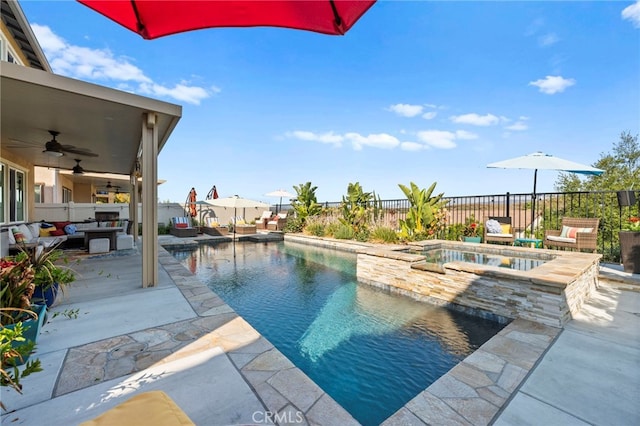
(28,236)
(34,229)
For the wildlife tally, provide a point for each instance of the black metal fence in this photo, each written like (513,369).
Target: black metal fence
(614,208)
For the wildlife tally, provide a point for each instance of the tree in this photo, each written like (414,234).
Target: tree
(621,169)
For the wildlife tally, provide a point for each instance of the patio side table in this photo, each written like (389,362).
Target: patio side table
(528,242)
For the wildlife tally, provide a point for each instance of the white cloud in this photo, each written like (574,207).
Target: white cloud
(475,119)
(406,110)
(548,39)
(328,138)
(518,126)
(632,13)
(553,84)
(429,115)
(463,134)
(413,146)
(99,65)
(438,138)
(380,140)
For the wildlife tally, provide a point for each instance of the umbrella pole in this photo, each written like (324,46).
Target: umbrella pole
(533,203)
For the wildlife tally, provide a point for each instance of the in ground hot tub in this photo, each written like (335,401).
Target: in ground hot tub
(546,286)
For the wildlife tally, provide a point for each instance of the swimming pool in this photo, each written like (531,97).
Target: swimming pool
(369,350)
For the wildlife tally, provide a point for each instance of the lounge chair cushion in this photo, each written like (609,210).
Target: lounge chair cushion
(148,408)
(500,235)
(570,232)
(561,239)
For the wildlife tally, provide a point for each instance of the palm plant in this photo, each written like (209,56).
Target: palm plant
(422,216)
(306,204)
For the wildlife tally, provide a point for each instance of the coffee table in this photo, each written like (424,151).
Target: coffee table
(106,232)
(528,242)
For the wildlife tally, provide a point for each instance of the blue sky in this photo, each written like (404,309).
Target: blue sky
(415,92)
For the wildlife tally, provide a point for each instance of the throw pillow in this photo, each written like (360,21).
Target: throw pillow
(18,237)
(57,232)
(505,228)
(571,232)
(46,232)
(70,229)
(493,227)
(60,225)
(182,225)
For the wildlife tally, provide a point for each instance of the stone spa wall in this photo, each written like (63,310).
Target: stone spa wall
(548,294)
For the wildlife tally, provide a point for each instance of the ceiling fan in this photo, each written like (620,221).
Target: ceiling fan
(56,149)
(77,169)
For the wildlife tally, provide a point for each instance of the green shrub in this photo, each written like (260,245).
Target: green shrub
(384,234)
(315,228)
(294,224)
(331,229)
(362,235)
(343,232)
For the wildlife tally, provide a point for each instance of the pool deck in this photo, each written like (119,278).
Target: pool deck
(181,338)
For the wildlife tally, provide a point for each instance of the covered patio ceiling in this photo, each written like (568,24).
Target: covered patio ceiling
(97,119)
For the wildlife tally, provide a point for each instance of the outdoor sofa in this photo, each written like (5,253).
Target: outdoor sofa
(213,227)
(576,233)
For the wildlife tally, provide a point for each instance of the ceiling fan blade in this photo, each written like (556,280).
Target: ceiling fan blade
(79,151)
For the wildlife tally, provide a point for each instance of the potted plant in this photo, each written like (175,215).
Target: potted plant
(51,274)
(630,245)
(471,231)
(20,319)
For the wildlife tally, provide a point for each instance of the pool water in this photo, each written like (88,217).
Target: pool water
(369,350)
(441,256)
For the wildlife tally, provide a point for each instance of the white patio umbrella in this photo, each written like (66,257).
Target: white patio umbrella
(237,203)
(542,161)
(279,193)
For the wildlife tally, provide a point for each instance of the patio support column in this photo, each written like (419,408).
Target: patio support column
(133,208)
(149,200)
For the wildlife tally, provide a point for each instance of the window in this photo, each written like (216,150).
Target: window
(12,196)
(39,192)
(66,195)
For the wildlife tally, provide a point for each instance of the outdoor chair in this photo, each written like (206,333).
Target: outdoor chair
(181,227)
(277,223)
(213,227)
(576,233)
(242,227)
(506,234)
(261,222)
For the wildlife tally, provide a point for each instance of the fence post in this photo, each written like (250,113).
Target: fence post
(508,205)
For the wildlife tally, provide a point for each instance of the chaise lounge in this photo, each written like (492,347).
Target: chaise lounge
(181,227)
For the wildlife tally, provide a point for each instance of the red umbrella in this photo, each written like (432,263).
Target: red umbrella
(152,19)
(192,202)
(213,194)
